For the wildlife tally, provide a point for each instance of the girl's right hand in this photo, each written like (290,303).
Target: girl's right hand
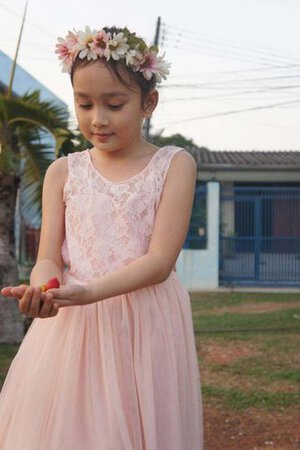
(32,301)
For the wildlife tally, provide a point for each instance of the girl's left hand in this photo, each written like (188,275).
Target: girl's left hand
(71,295)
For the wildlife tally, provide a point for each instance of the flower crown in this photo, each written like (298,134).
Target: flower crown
(120,44)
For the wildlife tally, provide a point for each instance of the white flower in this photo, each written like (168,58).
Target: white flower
(117,47)
(135,59)
(85,43)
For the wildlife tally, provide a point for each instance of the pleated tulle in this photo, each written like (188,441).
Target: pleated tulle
(120,374)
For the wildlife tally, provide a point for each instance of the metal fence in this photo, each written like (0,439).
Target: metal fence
(260,235)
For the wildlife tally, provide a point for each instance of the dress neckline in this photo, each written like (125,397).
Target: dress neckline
(141,172)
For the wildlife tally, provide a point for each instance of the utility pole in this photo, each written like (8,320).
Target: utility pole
(156,41)
(12,74)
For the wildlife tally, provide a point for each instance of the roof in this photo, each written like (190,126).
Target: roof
(24,81)
(246,160)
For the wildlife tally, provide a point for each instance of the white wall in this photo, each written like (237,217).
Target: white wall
(199,269)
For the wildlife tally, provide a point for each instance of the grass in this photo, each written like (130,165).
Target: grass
(248,359)
(273,320)
(240,400)
(7,352)
(220,299)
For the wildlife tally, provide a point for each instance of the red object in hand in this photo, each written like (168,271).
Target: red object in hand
(51,284)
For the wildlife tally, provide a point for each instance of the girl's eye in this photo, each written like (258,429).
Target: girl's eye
(85,106)
(115,107)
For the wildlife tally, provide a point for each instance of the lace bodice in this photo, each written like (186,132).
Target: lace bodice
(109,224)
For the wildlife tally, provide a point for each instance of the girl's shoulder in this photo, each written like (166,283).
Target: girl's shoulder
(175,158)
(58,169)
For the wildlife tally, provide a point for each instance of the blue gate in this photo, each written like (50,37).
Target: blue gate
(260,236)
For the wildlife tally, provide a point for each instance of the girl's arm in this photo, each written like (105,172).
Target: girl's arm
(49,263)
(170,229)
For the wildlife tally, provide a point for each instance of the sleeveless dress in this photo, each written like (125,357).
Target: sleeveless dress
(122,373)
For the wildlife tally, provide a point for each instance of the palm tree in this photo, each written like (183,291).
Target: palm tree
(24,123)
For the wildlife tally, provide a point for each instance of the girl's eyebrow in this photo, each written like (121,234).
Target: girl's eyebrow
(80,94)
(105,95)
(115,94)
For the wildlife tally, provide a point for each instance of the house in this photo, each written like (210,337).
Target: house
(248,231)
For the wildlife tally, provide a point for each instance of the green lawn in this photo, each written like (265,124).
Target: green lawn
(7,352)
(250,356)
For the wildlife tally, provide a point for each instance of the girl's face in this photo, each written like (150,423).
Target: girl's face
(109,114)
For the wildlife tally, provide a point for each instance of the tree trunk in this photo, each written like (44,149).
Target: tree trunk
(11,321)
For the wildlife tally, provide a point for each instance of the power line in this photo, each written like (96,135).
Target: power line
(231,94)
(212,47)
(192,36)
(28,21)
(227,72)
(216,84)
(236,111)
(224,54)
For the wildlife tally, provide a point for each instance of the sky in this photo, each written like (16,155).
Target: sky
(235,78)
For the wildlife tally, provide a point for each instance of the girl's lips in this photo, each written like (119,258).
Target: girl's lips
(102,137)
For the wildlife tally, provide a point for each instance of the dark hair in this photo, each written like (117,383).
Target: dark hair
(119,68)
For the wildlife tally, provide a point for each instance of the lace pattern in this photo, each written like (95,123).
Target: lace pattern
(109,224)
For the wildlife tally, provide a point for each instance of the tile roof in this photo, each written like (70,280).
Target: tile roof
(245,160)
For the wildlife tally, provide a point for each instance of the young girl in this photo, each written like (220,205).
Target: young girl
(114,366)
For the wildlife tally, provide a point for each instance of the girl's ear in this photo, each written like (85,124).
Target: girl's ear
(150,103)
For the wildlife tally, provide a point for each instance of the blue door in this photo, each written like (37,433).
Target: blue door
(260,236)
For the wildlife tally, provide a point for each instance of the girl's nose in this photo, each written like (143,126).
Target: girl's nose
(100,119)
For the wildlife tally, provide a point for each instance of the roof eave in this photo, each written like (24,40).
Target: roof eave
(247,168)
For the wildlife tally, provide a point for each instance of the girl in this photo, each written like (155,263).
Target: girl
(114,366)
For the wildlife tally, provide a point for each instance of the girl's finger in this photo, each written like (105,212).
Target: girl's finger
(35,302)
(46,307)
(62,302)
(18,291)
(14,291)
(25,301)
(56,293)
(6,291)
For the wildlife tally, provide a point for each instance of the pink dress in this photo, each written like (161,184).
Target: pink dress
(119,374)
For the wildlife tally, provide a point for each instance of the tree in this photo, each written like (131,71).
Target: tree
(24,123)
(175,139)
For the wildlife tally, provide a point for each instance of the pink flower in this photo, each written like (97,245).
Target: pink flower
(100,43)
(67,50)
(72,39)
(64,54)
(154,64)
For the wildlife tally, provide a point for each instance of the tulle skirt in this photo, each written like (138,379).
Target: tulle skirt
(119,374)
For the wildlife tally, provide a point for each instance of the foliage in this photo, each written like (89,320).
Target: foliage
(29,130)
(175,139)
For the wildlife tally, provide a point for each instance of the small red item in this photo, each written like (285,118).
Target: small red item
(51,284)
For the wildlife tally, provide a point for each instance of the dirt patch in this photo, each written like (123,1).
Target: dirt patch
(225,354)
(250,430)
(248,308)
